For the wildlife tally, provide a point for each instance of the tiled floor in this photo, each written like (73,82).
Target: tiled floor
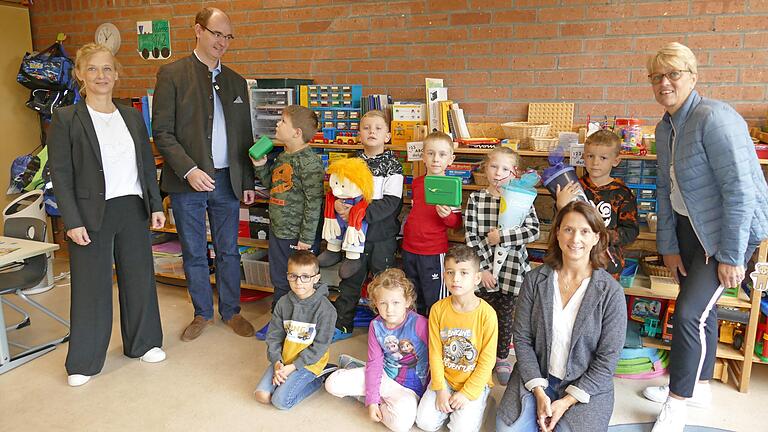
(206,385)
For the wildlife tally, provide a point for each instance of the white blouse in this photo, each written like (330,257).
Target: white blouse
(563,320)
(118,154)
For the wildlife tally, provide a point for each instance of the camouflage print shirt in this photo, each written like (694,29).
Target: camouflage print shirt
(295,181)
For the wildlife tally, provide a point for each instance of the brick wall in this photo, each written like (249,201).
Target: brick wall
(495,55)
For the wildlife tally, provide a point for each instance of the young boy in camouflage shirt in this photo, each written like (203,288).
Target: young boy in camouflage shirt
(296,195)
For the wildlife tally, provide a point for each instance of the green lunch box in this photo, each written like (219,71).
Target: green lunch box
(442,190)
(261,147)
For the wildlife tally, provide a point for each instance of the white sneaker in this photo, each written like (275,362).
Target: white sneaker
(702,395)
(672,416)
(155,355)
(77,380)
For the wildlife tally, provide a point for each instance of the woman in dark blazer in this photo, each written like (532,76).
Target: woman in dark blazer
(569,330)
(104,181)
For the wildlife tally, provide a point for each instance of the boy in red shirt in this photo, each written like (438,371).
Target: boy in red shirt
(425,237)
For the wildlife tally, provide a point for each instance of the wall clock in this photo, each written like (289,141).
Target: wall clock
(108,35)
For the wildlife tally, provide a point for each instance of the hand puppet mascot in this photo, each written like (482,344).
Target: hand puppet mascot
(351,182)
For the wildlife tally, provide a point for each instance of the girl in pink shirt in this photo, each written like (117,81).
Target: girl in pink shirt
(397,371)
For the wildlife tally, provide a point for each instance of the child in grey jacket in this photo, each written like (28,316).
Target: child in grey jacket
(299,336)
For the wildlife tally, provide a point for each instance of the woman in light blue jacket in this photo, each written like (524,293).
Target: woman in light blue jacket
(713,212)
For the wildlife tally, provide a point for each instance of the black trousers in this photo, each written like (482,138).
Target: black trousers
(694,333)
(426,273)
(124,237)
(504,305)
(378,256)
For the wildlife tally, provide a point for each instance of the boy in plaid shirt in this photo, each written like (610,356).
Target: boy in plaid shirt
(482,234)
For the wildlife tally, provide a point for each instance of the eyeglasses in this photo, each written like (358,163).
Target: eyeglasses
(672,76)
(219,35)
(293,277)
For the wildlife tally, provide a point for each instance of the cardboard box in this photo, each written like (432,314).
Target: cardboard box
(403,131)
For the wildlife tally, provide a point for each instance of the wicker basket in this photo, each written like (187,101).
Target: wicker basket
(525,130)
(543,144)
(653,265)
(480,178)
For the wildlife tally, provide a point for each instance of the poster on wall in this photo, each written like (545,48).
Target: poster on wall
(154,39)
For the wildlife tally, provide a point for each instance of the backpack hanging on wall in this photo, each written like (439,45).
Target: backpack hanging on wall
(48,69)
(49,75)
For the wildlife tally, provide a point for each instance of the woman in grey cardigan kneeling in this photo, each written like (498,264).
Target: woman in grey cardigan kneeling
(569,330)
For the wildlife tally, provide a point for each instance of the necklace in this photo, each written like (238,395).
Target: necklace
(107,119)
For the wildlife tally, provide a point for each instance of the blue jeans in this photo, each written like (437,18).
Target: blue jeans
(223,207)
(299,386)
(527,422)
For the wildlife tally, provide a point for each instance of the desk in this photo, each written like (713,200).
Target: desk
(12,250)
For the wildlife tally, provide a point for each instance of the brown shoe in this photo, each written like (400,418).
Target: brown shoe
(195,328)
(240,325)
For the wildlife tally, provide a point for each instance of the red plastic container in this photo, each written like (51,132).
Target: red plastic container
(762,151)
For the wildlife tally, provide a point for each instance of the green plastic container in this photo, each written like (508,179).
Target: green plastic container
(261,147)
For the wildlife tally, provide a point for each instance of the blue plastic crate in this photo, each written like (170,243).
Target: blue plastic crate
(627,277)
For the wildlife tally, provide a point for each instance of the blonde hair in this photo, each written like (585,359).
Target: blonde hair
(436,137)
(673,55)
(605,138)
(85,53)
(500,150)
(376,114)
(391,279)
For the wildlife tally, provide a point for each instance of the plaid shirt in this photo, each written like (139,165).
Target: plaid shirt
(481,216)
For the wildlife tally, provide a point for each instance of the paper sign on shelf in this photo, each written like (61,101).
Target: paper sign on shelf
(414,149)
(577,155)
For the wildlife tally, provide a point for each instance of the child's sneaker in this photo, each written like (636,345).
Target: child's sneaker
(262,333)
(672,416)
(327,371)
(503,370)
(702,395)
(339,334)
(348,362)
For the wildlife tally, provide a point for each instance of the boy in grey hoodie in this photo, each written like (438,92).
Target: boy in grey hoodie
(299,335)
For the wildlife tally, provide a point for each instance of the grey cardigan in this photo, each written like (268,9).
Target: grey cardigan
(596,343)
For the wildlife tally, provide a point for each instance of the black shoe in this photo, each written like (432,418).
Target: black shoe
(349,267)
(328,258)
(327,371)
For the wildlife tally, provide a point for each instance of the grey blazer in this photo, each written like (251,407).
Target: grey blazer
(77,171)
(596,343)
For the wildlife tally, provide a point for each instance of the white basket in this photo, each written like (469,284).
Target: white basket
(169,265)
(256,271)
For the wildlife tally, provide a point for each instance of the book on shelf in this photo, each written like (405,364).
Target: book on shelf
(479,143)
(379,102)
(459,122)
(435,92)
(445,108)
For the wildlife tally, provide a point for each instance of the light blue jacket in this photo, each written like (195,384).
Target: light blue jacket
(719,176)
